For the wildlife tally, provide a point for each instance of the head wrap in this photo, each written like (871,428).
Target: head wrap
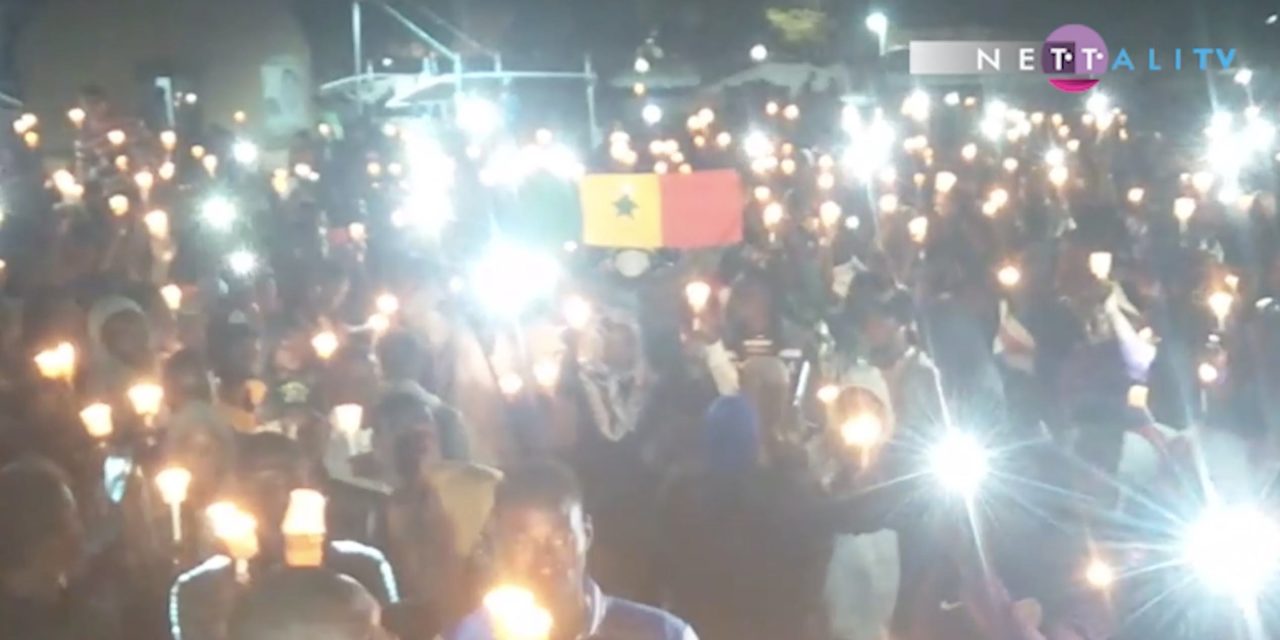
(732,436)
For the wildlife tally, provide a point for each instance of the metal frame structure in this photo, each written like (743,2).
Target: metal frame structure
(364,78)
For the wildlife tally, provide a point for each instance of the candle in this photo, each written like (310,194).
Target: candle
(1207,372)
(516,615)
(830,212)
(379,323)
(169,140)
(157,222)
(1136,194)
(862,430)
(119,204)
(1009,276)
(918,228)
(828,394)
(1183,209)
(172,295)
(58,363)
(325,344)
(97,420)
(173,483)
(1220,302)
(698,294)
(888,203)
(116,137)
(77,116)
(167,171)
(238,532)
(510,384)
(304,528)
(1138,395)
(1100,264)
(1058,176)
(577,312)
(347,419)
(944,181)
(387,304)
(147,399)
(762,193)
(546,372)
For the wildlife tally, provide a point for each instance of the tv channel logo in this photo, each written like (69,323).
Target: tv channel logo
(1073,57)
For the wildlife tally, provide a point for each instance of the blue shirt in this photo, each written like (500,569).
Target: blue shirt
(608,618)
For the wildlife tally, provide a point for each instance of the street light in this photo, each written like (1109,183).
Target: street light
(878,23)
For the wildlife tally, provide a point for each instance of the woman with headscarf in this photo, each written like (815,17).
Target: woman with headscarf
(120,350)
(747,544)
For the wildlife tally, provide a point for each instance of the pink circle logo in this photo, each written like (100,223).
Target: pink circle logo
(1074,56)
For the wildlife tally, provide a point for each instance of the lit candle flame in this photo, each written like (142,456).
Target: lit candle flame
(58,363)
(97,420)
(147,399)
(698,294)
(172,295)
(516,615)
(862,431)
(1100,264)
(325,344)
(577,312)
(1009,276)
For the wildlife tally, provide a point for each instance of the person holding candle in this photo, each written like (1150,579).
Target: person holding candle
(236,358)
(199,437)
(120,349)
(540,539)
(268,469)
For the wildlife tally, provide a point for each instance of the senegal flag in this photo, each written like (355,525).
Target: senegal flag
(651,211)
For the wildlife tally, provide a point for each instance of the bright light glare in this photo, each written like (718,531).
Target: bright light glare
(870,149)
(759,53)
(960,463)
(1235,550)
(757,145)
(478,116)
(245,152)
(242,262)
(878,24)
(1098,103)
(652,114)
(219,212)
(1244,77)
(509,277)
(1100,575)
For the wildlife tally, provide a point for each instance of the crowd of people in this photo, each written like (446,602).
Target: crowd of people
(974,371)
